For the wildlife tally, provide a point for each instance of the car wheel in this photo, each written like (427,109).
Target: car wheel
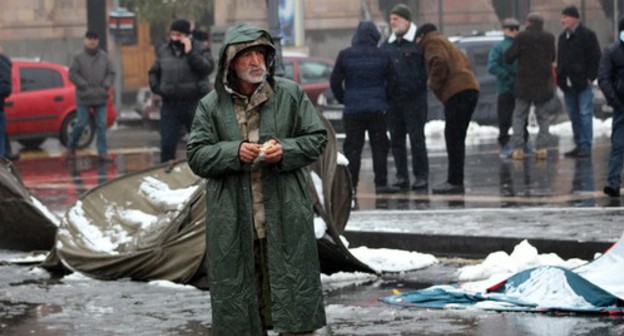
(68,126)
(31,143)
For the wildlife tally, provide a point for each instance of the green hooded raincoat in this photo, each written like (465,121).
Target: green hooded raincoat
(289,117)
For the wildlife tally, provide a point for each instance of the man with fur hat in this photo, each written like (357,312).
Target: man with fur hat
(180,75)
(577,67)
(452,80)
(407,98)
(611,81)
(534,49)
(252,139)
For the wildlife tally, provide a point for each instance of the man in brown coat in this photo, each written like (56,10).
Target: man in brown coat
(535,84)
(451,78)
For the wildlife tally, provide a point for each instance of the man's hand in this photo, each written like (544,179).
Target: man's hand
(188,45)
(248,152)
(272,151)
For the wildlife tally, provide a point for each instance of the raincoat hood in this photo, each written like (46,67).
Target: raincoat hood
(238,38)
(366,33)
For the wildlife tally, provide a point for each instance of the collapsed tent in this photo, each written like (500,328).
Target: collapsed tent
(151,225)
(25,225)
(596,287)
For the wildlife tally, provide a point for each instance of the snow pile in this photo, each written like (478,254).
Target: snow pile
(388,260)
(162,197)
(524,256)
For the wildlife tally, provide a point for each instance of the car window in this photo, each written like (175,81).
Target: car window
(480,58)
(288,71)
(314,72)
(33,79)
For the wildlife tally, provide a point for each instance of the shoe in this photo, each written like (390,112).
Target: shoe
(505,152)
(583,153)
(541,154)
(385,189)
(611,191)
(401,183)
(105,158)
(572,154)
(518,154)
(420,184)
(448,188)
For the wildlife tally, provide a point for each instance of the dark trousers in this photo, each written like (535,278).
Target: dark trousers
(174,115)
(506,103)
(457,113)
(616,156)
(409,118)
(356,125)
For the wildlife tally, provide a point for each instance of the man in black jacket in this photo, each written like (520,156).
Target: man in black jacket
(577,67)
(407,113)
(611,81)
(180,76)
(359,81)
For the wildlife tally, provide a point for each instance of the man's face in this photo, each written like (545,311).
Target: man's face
(91,43)
(398,24)
(511,31)
(569,22)
(176,35)
(250,66)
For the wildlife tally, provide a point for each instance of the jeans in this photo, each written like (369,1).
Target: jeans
(356,125)
(174,115)
(457,113)
(616,156)
(2,134)
(409,118)
(580,107)
(100,115)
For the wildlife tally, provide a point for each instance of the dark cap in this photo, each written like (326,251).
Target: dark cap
(90,34)
(511,23)
(402,11)
(425,29)
(571,11)
(182,26)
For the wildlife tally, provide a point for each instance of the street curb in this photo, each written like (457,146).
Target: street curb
(474,247)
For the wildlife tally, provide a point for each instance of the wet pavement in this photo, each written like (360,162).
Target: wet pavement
(557,201)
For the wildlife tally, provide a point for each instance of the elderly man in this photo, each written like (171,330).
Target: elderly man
(252,139)
(578,56)
(407,98)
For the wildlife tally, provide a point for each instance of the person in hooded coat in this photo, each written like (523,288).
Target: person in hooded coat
(359,79)
(252,139)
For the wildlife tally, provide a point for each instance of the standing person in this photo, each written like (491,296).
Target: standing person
(577,67)
(452,80)
(180,75)
(6,87)
(407,113)
(505,77)
(611,81)
(534,49)
(252,139)
(93,74)
(358,81)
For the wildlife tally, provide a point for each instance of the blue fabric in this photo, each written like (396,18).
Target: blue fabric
(453,297)
(616,156)
(361,73)
(100,115)
(580,107)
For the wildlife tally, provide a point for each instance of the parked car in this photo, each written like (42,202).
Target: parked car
(43,105)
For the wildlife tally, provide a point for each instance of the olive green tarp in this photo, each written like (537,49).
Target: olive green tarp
(140,236)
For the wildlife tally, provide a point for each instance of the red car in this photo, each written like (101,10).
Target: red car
(43,104)
(311,73)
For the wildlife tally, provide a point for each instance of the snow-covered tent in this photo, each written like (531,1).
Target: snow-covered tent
(596,287)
